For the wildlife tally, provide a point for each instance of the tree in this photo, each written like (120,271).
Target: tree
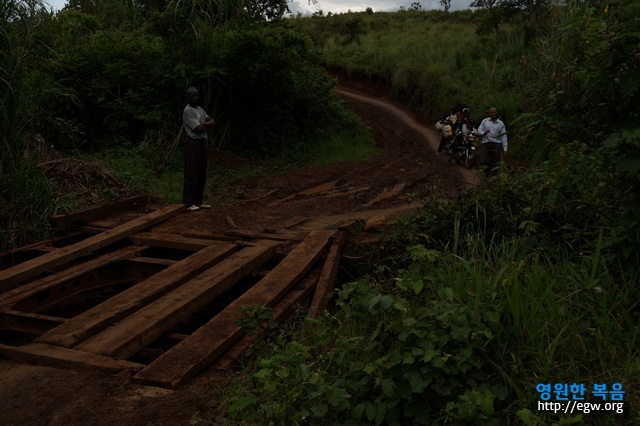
(483,4)
(268,10)
(446,4)
(534,9)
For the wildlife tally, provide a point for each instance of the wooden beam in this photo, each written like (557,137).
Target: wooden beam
(89,229)
(228,238)
(28,323)
(147,324)
(244,233)
(152,261)
(39,245)
(11,277)
(65,220)
(12,297)
(328,277)
(83,326)
(283,310)
(38,353)
(171,241)
(192,355)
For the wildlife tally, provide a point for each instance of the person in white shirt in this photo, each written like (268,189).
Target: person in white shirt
(494,141)
(196,123)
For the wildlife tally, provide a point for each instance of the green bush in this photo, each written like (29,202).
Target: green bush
(25,202)
(384,358)
(274,95)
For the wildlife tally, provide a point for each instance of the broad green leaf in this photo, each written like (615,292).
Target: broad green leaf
(388,387)
(358,410)
(319,410)
(386,301)
(417,286)
(371,410)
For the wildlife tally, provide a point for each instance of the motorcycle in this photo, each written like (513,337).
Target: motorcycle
(462,147)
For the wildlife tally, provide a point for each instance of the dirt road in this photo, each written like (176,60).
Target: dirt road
(316,197)
(305,199)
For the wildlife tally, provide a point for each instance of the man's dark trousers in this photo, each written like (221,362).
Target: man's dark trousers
(195,170)
(490,156)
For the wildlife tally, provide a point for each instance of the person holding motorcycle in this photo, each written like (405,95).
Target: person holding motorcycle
(494,141)
(445,126)
(465,122)
(463,126)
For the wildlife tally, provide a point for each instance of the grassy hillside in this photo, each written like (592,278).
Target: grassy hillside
(434,59)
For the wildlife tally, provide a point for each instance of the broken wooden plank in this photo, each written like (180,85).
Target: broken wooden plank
(152,321)
(83,326)
(42,354)
(282,311)
(256,199)
(39,244)
(106,223)
(328,277)
(294,221)
(28,323)
(12,297)
(231,223)
(65,220)
(192,355)
(171,241)
(90,229)
(11,277)
(244,233)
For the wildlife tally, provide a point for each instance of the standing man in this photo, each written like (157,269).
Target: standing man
(494,141)
(196,122)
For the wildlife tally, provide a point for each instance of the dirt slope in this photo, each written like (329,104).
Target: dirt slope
(305,199)
(316,197)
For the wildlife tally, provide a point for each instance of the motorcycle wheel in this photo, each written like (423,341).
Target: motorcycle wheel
(468,159)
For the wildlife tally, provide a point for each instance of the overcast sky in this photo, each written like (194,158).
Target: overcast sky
(337,6)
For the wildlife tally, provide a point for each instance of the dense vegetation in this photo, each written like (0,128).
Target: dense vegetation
(106,81)
(476,299)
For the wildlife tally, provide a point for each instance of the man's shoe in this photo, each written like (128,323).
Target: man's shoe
(193,208)
(204,206)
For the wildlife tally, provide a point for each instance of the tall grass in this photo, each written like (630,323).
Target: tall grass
(25,192)
(436,61)
(25,202)
(554,319)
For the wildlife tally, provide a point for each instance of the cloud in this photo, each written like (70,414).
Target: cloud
(336,6)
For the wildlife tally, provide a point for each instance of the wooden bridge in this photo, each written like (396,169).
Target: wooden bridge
(161,306)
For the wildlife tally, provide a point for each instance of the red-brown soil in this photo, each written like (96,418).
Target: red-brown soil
(301,200)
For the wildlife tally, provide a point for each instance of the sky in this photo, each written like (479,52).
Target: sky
(337,6)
